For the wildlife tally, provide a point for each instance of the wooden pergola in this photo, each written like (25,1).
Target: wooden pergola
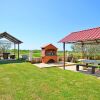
(89,36)
(12,39)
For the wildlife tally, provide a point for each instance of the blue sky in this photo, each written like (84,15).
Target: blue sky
(39,22)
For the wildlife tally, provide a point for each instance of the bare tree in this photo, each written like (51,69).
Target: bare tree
(4,46)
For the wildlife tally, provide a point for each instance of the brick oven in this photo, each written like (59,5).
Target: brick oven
(49,54)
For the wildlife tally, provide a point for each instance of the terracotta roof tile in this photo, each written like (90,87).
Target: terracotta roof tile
(84,35)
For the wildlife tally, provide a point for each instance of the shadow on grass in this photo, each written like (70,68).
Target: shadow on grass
(97,72)
(11,61)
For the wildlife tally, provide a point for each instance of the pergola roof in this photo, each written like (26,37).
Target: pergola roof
(10,38)
(84,36)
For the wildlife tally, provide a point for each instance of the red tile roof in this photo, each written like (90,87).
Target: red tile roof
(44,46)
(84,35)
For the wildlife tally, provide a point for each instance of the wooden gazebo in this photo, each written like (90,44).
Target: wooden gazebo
(89,36)
(12,39)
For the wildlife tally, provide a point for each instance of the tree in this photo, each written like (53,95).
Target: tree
(92,50)
(4,46)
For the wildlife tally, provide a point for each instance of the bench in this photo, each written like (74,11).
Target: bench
(93,67)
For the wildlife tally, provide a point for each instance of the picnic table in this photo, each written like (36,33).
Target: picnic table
(86,63)
(6,56)
(94,62)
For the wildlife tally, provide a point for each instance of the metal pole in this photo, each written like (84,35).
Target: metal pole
(64,54)
(18,51)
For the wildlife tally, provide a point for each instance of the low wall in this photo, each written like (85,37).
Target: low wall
(59,58)
(36,60)
(39,59)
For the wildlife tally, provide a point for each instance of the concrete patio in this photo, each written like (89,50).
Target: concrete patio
(44,65)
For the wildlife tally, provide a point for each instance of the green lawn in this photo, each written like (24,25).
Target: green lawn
(23,81)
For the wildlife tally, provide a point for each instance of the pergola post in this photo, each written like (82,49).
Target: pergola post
(18,51)
(14,48)
(64,55)
(82,50)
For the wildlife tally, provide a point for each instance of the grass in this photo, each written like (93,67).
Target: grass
(23,81)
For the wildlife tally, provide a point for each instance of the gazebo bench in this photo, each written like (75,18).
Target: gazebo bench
(91,66)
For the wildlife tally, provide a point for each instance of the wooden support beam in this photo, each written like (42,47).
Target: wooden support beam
(18,51)
(14,48)
(64,54)
(93,70)
(82,50)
